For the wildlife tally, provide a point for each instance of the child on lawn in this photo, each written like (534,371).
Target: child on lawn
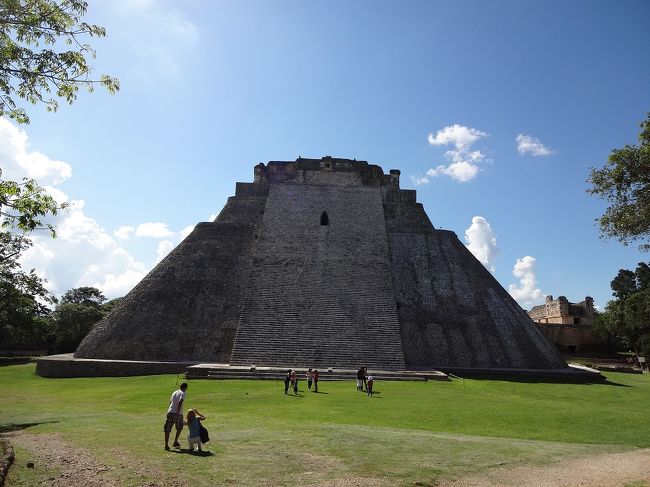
(194,419)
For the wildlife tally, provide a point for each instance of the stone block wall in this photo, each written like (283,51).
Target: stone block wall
(321,295)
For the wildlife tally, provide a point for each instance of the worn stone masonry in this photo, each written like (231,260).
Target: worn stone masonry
(323,263)
(569,325)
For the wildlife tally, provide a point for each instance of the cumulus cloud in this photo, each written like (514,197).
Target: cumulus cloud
(186,231)
(464,162)
(458,135)
(482,242)
(527,144)
(163,249)
(527,292)
(154,230)
(17,160)
(417,181)
(84,253)
(124,232)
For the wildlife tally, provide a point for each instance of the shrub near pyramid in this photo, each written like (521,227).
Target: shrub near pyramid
(322,263)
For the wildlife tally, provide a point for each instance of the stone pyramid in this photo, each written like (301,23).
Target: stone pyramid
(323,263)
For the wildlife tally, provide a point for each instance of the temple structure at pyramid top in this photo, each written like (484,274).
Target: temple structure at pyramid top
(323,263)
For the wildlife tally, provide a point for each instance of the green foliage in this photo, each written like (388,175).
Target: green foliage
(34,65)
(23,205)
(79,310)
(624,284)
(624,182)
(627,318)
(89,296)
(23,306)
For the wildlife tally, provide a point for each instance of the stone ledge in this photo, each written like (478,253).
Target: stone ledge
(65,365)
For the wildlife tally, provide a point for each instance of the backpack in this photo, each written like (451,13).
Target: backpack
(203,433)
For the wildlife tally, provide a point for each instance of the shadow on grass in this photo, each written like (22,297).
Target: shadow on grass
(187,451)
(6,428)
(543,380)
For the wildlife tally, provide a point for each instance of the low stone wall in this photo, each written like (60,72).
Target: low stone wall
(66,365)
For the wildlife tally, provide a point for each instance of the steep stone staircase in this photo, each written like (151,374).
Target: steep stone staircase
(320,295)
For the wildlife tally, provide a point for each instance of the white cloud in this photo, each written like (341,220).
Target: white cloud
(482,242)
(465,163)
(83,254)
(155,230)
(527,292)
(18,161)
(163,249)
(461,171)
(458,135)
(186,231)
(125,232)
(527,144)
(417,181)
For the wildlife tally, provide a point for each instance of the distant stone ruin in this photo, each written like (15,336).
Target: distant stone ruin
(569,325)
(322,263)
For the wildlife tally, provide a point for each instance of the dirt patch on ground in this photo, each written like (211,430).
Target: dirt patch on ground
(58,463)
(601,470)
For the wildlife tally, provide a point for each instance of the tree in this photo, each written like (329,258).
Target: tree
(626,320)
(23,205)
(79,310)
(624,182)
(34,64)
(624,284)
(23,306)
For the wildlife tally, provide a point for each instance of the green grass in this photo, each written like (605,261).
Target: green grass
(409,432)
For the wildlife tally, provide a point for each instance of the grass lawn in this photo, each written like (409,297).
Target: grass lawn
(409,432)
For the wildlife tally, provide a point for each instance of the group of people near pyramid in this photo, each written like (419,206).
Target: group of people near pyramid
(291,380)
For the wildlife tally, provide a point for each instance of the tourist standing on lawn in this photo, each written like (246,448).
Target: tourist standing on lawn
(369,385)
(360,379)
(287,380)
(315,380)
(294,382)
(310,379)
(175,415)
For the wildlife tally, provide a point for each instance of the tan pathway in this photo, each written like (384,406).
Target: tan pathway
(600,470)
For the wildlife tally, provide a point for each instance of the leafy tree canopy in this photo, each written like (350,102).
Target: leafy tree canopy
(624,182)
(79,310)
(23,305)
(23,205)
(34,62)
(90,296)
(627,318)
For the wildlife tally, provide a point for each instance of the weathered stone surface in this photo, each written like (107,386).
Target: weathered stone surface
(322,262)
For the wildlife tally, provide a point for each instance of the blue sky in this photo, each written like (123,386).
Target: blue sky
(493,111)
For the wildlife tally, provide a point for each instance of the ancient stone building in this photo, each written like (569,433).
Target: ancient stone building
(568,325)
(326,263)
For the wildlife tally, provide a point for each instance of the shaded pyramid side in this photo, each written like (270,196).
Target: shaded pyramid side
(188,306)
(321,295)
(453,313)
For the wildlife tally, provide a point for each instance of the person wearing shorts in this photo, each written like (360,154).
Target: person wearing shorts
(175,415)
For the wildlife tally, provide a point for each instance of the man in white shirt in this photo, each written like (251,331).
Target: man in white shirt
(175,415)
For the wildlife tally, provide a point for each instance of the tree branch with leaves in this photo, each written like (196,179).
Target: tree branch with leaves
(33,66)
(624,182)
